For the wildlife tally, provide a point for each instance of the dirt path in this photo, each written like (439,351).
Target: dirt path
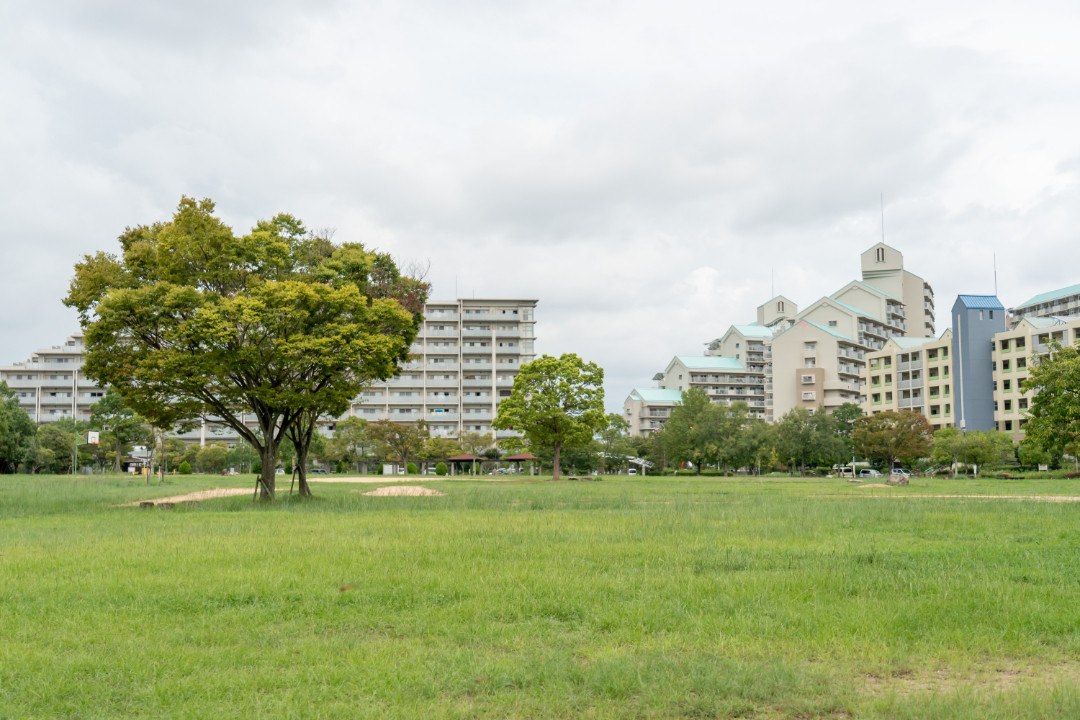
(1040,498)
(400,490)
(200,495)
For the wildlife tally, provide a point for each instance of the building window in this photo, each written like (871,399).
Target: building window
(780,306)
(881,254)
(1006,384)
(832,323)
(1008,405)
(991,314)
(1008,426)
(808,379)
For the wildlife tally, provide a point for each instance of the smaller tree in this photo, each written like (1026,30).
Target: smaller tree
(890,435)
(398,441)
(352,442)
(614,441)
(474,443)
(556,403)
(1032,455)
(1054,385)
(212,458)
(124,426)
(16,431)
(184,468)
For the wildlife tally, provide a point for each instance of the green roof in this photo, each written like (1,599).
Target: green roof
(852,308)
(1052,295)
(1043,322)
(656,395)
(831,331)
(910,342)
(875,289)
(759,331)
(709,362)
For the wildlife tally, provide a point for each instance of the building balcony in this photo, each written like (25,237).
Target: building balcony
(913,365)
(438,333)
(436,316)
(477,416)
(441,416)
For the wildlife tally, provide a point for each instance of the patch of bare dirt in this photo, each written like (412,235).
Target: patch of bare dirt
(195,496)
(998,678)
(404,490)
(875,485)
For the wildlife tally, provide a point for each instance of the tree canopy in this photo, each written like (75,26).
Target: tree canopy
(891,435)
(556,403)
(192,321)
(16,431)
(1054,385)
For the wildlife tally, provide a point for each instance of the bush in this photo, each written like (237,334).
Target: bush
(440,469)
(340,467)
(410,469)
(256,467)
(288,467)
(184,468)
(1072,475)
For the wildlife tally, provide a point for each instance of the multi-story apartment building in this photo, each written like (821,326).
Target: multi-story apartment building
(745,343)
(1064,302)
(912,374)
(883,268)
(724,379)
(50,385)
(816,365)
(1014,352)
(647,409)
(466,358)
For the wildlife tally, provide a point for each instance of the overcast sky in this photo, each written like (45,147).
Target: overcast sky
(640,168)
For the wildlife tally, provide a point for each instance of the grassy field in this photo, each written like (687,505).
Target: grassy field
(628,598)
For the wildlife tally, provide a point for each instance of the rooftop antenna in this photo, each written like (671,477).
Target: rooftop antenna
(882,217)
(774,282)
(995,274)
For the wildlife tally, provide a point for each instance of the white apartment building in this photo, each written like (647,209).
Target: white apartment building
(912,374)
(724,379)
(1014,351)
(647,409)
(1064,303)
(50,385)
(466,358)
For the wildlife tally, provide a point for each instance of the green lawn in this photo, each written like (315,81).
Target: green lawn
(627,598)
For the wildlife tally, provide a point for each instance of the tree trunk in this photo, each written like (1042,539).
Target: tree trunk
(555,462)
(268,456)
(301,470)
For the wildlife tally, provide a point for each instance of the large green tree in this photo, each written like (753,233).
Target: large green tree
(685,436)
(892,434)
(556,403)
(796,436)
(192,321)
(16,431)
(1054,385)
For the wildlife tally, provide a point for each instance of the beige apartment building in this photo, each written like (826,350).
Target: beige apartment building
(912,374)
(466,358)
(647,409)
(1063,303)
(1014,352)
(814,366)
(883,268)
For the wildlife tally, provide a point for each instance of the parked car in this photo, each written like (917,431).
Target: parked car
(279,471)
(632,471)
(431,470)
(869,473)
(319,471)
(846,472)
(901,471)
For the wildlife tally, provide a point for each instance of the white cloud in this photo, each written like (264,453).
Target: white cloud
(641,168)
